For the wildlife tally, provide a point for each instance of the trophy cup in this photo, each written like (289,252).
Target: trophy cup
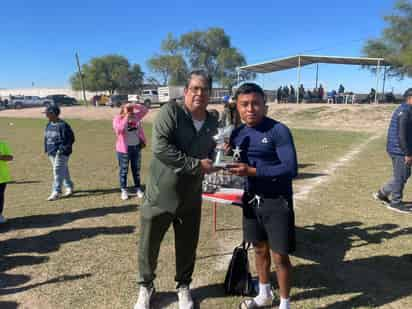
(222,136)
(222,178)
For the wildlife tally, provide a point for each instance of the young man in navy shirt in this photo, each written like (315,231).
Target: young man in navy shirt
(268,160)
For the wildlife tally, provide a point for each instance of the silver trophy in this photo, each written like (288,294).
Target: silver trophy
(222,137)
(223,178)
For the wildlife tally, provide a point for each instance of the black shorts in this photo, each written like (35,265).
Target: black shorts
(271,220)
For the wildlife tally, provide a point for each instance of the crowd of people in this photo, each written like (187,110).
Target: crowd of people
(288,94)
(182,143)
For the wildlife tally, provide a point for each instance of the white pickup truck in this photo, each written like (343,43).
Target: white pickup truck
(160,96)
(170,93)
(27,101)
(149,97)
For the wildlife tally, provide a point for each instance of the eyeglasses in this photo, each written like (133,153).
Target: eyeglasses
(201,90)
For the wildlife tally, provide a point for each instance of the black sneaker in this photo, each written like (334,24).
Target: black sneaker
(399,207)
(381,197)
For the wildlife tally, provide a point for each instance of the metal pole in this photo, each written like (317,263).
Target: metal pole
(384,81)
(377,81)
(238,77)
(317,75)
(81,79)
(298,85)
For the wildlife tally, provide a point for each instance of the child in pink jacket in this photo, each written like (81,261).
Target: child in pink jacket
(129,143)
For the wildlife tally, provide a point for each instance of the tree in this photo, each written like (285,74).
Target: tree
(202,48)
(171,68)
(170,45)
(395,44)
(150,80)
(109,73)
(210,50)
(227,61)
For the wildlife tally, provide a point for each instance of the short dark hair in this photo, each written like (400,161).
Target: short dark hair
(247,88)
(408,93)
(200,72)
(53,109)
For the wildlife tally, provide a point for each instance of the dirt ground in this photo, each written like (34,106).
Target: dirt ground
(350,117)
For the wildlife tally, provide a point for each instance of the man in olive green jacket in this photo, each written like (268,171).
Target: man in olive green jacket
(182,144)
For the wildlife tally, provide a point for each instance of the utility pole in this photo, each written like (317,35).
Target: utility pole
(384,81)
(81,79)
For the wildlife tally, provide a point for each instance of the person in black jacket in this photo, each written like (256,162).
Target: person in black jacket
(58,141)
(399,147)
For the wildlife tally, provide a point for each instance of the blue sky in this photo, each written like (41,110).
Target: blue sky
(39,38)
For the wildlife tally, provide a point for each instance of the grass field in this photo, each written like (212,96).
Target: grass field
(80,252)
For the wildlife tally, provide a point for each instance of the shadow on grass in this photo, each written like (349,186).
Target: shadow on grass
(10,262)
(8,305)
(214,255)
(23,182)
(310,175)
(60,279)
(52,241)
(42,244)
(163,299)
(377,280)
(59,219)
(305,165)
(199,294)
(94,192)
(97,192)
(228,229)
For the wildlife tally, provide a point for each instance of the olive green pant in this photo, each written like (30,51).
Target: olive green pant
(152,230)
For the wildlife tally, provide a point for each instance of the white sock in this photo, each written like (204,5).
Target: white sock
(284,303)
(265,295)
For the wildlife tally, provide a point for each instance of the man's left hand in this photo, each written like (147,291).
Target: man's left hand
(242,169)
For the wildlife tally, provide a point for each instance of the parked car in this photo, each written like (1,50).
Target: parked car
(62,99)
(28,101)
(149,97)
(100,100)
(116,100)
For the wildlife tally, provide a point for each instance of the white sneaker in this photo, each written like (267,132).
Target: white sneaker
(69,191)
(143,301)
(185,299)
(2,219)
(139,193)
(53,196)
(124,196)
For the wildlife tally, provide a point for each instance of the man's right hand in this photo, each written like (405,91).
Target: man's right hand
(227,148)
(207,166)
(408,160)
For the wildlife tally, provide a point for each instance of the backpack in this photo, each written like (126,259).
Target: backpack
(238,280)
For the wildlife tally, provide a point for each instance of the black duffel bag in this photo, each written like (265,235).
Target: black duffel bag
(238,280)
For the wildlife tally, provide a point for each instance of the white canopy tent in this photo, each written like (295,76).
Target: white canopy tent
(303,60)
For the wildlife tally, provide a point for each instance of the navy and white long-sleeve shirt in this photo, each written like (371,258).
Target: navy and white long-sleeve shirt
(268,147)
(58,137)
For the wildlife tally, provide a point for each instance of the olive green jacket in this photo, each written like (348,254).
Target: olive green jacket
(175,180)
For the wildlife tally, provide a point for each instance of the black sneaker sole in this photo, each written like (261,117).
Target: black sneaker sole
(376,198)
